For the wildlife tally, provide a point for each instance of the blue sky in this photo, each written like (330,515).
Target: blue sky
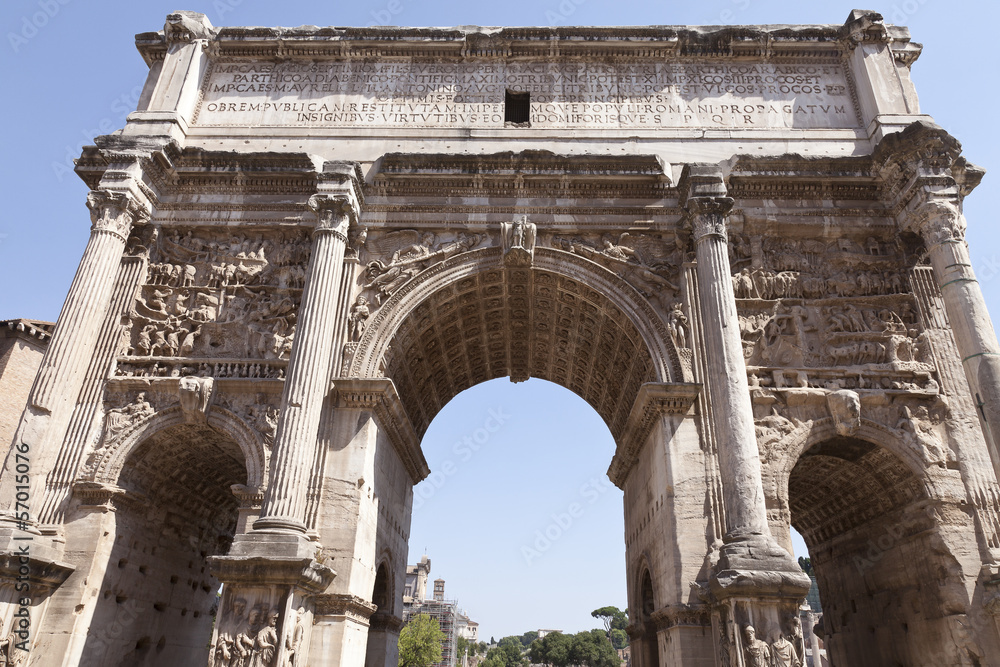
(71,72)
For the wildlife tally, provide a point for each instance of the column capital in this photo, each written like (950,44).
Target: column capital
(334,213)
(937,222)
(115,212)
(708,216)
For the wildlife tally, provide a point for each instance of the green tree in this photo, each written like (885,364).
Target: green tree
(619,638)
(420,642)
(613,618)
(552,649)
(806,565)
(528,637)
(593,650)
(587,649)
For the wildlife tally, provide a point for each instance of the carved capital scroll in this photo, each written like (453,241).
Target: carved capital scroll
(115,212)
(938,222)
(334,213)
(709,216)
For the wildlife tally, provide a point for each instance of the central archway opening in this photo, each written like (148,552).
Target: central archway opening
(518,516)
(522,500)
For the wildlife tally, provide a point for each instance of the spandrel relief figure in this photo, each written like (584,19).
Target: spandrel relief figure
(756,652)
(646,261)
(397,256)
(359,314)
(118,419)
(917,425)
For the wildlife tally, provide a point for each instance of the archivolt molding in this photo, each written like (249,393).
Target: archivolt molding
(112,459)
(791,447)
(386,321)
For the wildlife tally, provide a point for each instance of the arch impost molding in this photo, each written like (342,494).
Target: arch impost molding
(379,395)
(351,606)
(654,399)
(106,496)
(681,614)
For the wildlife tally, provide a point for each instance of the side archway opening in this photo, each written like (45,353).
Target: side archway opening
(157,601)
(864,517)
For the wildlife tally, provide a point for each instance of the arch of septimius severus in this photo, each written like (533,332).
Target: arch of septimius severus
(744,247)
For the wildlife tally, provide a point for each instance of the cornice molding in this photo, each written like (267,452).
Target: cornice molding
(616,44)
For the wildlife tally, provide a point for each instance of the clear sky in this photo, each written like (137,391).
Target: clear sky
(70,72)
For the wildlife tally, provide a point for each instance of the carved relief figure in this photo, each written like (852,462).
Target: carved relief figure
(677,325)
(244,642)
(294,641)
(359,313)
(783,653)
(117,419)
(645,261)
(725,645)
(400,255)
(918,428)
(266,642)
(222,655)
(756,652)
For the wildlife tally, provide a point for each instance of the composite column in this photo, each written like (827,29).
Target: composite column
(62,370)
(754,581)
(307,381)
(729,391)
(941,225)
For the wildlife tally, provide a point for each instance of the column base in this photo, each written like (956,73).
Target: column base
(757,566)
(757,588)
(279,524)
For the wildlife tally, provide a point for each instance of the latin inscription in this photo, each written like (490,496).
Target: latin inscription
(563,95)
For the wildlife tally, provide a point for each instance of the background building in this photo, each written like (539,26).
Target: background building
(453,622)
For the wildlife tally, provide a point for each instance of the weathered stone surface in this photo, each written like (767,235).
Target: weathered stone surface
(258,337)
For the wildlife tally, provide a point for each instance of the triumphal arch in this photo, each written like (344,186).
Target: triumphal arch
(744,247)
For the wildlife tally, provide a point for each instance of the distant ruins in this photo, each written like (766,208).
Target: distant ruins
(743,246)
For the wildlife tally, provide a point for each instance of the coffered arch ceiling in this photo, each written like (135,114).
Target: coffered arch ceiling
(520,322)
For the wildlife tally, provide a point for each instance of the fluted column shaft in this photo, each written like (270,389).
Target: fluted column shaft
(307,381)
(113,215)
(729,392)
(62,370)
(942,227)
